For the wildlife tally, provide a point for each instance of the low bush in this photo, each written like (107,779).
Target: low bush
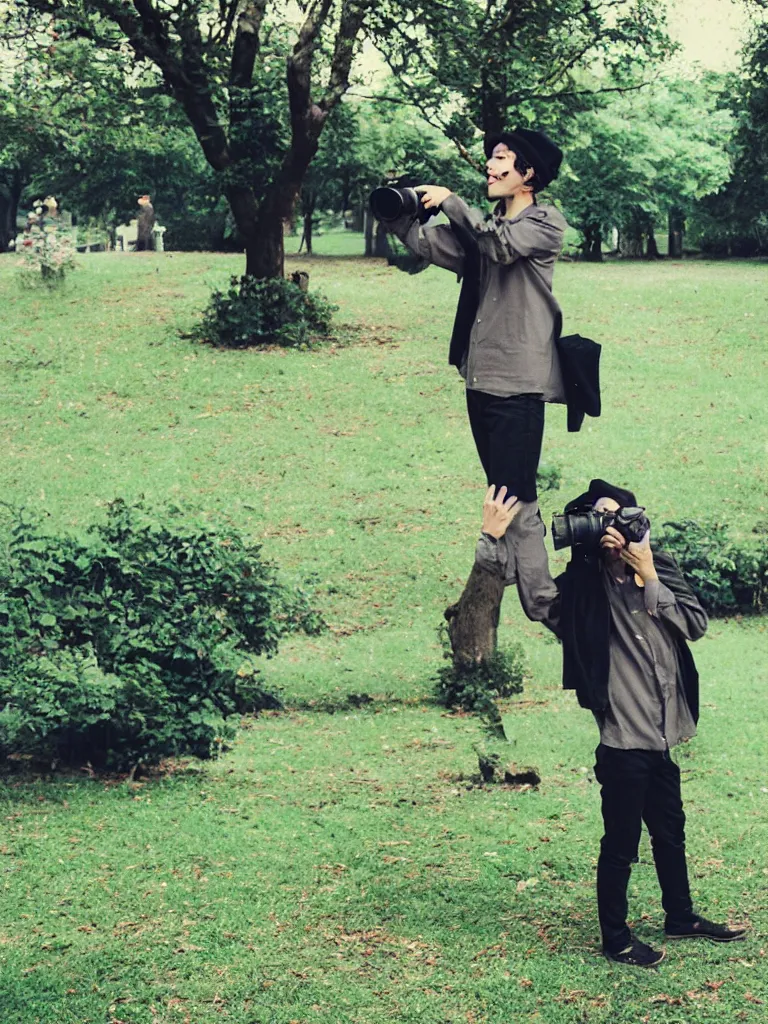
(729,577)
(271,311)
(137,641)
(548,478)
(475,688)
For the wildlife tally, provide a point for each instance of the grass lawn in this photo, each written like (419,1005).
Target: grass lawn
(341,868)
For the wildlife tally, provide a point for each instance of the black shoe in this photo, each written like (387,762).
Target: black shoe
(701,928)
(636,954)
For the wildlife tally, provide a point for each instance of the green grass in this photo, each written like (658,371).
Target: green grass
(339,867)
(336,242)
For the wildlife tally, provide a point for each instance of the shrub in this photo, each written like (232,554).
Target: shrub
(137,641)
(728,577)
(256,311)
(548,478)
(475,688)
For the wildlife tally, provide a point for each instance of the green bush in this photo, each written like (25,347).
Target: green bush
(728,577)
(476,687)
(137,641)
(269,311)
(548,478)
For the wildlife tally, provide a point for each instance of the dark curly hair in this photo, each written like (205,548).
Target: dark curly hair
(522,167)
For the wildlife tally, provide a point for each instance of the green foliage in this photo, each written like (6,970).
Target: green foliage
(734,222)
(729,577)
(255,311)
(630,161)
(468,65)
(476,687)
(548,477)
(137,641)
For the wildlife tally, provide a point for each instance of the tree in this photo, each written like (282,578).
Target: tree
(643,156)
(469,65)
(735,220)
(26,139)
(329,179)
(249,83)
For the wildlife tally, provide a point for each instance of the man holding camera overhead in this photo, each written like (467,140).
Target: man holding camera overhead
(506,326)
(624,613)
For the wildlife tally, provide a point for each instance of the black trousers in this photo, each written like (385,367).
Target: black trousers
(639,786)
(508,433)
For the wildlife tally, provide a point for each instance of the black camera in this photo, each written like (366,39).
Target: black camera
(399,199)
(583,527)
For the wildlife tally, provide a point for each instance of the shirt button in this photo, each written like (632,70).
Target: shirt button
(474,380)
(479,320)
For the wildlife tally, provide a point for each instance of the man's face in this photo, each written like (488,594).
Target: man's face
(608,505)
(503,179)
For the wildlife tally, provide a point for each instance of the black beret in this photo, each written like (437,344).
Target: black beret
(602,489)
(535,147)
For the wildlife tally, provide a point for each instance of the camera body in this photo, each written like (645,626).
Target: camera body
(583,527)
(399,199)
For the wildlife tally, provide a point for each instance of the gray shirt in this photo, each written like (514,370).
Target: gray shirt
(647,705)
(511,345)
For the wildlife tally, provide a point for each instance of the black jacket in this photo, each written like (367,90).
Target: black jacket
(585,626)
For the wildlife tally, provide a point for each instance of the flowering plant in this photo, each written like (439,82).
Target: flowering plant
(46,253)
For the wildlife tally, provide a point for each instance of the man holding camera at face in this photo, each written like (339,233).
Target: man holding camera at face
(506,326)
(624,613)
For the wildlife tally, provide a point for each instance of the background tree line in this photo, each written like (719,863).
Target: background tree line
(240,115)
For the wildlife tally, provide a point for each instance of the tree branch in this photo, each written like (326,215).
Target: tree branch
(246,44)
(579,92)
(147,33)
(353,14)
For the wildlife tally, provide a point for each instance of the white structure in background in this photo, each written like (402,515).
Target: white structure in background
(126,235)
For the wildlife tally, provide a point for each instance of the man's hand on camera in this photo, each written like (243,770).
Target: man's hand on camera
(433,196)
(499,511)
(638,556)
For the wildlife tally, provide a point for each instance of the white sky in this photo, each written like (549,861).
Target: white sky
(711,31)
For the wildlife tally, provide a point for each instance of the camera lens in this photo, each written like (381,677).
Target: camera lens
(561,532)
(389,203)
(578,529)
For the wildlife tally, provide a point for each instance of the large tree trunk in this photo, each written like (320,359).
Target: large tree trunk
(652,250)
(9,209)
(265,250)
(630,243)
(593,243)
(676,232)
(474,620)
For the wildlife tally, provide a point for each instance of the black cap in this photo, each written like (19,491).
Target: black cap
(602,489)
(535,147)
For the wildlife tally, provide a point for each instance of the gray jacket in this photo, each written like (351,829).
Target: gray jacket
(512,342)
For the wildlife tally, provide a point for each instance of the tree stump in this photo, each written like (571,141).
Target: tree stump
(473,621)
